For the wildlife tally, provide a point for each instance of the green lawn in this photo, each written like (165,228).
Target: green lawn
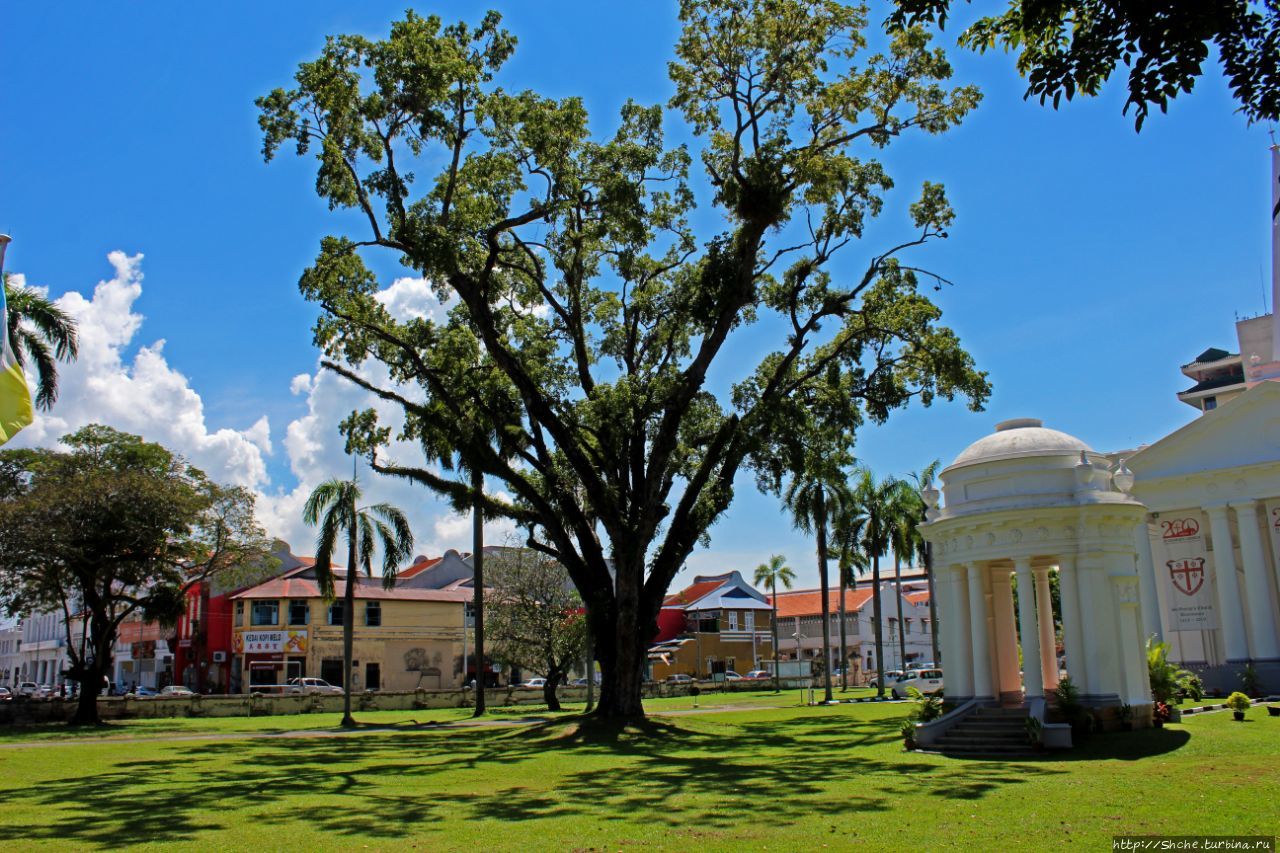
(785,778)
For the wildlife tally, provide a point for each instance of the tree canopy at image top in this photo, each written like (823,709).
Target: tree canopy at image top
(588,312)
(1067,47)
(114,526)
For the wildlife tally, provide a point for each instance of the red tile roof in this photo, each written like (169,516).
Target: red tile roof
(808,602)
(917,597)
(418,568)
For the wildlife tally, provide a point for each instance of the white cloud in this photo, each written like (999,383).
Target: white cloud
(412,298)
(144,395)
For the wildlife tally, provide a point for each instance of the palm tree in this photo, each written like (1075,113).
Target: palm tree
(852,562)
(912,544)
(814,502)
(772,573)
(334,505)
(874,508)
(42,333)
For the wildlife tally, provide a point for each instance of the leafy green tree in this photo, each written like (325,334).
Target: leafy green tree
(874,511)
(909,546)
(536,620)
(334,506)
(1065,48)
(40,333)
(814,504)
(113,526)
(770,574)
(588,312)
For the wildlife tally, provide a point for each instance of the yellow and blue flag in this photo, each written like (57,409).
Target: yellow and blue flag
(15,396)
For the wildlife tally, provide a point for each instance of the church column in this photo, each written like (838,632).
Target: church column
(1029,631)
(1147,583)
(1007,682)
(1262,621)
(979,635)
(1103,655)
(1224,565)
(1072,626)
(958,656)
(1048,641)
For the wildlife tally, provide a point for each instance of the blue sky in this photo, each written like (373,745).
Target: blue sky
(1089,261)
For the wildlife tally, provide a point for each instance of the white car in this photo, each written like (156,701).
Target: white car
(539,683)
(679,678)
(5,695)
(312,685)
(31,690)
(730,675)
(890,676)
(177,690)
(927,681)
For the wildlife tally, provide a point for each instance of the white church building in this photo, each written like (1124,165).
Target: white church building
(1179,540)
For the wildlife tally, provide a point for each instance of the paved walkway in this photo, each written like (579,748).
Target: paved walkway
(485,723)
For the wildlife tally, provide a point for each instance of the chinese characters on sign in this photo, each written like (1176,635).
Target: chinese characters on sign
(291,642)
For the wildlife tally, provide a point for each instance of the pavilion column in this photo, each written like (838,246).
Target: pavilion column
(1048,642)
(1008,683)
(1072,625)
(1257,583)
(1224,565)
(958,659)
(979,634)
(1029,631)
(1147,584)
(1102,646)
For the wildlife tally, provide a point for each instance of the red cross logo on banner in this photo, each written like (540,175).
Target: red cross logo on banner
(1187,575)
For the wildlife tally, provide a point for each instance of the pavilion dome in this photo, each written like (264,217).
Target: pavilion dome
(1021,465)
(1020,437)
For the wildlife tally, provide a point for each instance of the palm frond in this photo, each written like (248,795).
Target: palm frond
(29,344)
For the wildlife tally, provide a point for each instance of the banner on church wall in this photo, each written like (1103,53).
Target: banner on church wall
(1184,571)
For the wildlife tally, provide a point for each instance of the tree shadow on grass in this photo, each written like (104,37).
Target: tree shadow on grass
(706,773)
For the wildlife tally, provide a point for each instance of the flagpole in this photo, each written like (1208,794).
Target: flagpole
(5,239)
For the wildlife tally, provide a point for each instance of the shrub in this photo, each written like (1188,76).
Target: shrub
(1238,701)
(925,707)
(1190,687)
(1165,678)
(908,731)
(1035,731)
(1066,698)
(1249,680)
(1161,713)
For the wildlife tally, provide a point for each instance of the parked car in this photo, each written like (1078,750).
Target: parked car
(177,690)
(758,675)
(925,680)
(890,678)
(679,678)
(5,695)
(730,675)
(539,683)
(143,690)
(309,686)
(31,690)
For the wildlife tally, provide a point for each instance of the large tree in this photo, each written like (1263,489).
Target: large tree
(587,311)
(873,512)
(535,617)
(335,508)
(110,527)
(1069,47)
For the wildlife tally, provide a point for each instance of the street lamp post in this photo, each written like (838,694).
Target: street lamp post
(799,638)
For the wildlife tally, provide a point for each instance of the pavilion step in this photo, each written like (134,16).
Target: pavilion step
(1012,737)
(993,723)
(1001,713)
(1002,750)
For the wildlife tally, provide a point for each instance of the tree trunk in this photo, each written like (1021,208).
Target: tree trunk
(622,660)
(878,616)
(591,668)
(477,562)
(844,638)
(902,628)
(933,603)
(777,656)
(820,522)
(91,684)
(348,629)
(549,690)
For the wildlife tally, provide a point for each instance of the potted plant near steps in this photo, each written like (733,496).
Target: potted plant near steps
(1238,703)
(908,731)
(1161,713)
(1273,710)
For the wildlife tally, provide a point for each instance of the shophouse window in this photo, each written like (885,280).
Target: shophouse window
(335,613)
(266,612)
(709,622)
(239,613)
(297,612)
(733,620)
(373,614)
